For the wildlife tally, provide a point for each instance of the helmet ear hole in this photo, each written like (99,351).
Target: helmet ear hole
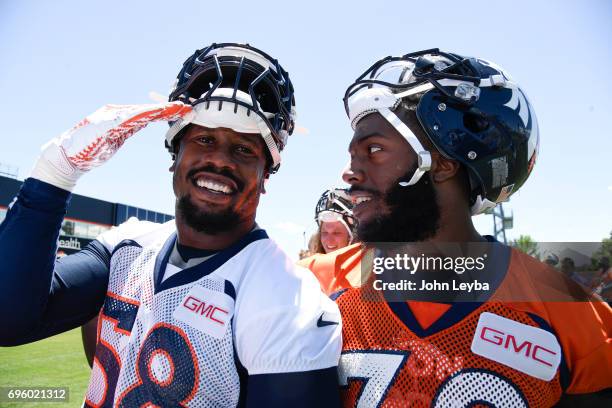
(474,122)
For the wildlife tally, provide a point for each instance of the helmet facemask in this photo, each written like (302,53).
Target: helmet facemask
(238,87)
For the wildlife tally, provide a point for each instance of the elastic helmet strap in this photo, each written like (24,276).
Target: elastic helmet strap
(423,155)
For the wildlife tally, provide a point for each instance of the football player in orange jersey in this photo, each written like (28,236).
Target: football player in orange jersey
(437,139)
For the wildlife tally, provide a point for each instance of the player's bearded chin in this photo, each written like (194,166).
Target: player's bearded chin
(206,221)
(412,215)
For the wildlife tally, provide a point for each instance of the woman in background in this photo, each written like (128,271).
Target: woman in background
(334,258)
(334,216)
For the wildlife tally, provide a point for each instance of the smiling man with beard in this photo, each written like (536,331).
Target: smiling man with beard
(205,310)
(209,222)
(397,214)
(437,139)
(402,215)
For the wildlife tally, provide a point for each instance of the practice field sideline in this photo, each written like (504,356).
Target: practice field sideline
(58,361)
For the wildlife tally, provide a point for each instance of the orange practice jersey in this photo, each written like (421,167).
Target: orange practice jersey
(337,270)
(507,354)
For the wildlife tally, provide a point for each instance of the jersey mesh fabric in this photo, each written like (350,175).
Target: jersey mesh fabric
(436,370)
(162,360)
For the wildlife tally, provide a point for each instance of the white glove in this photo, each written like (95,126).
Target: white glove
(96,138)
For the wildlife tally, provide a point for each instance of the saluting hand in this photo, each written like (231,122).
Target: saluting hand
(96,138)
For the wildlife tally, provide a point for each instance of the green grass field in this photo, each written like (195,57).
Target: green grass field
(58,361)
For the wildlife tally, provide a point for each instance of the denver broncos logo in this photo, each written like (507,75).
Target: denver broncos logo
(518,102)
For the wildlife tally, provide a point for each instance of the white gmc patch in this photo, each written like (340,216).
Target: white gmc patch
(525,348)
(206,310)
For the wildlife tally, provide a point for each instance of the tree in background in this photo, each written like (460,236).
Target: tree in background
(604,251)
(526,244)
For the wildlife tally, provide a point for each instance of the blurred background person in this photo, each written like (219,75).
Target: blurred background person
(603,281)
(552,260)
(568,267)
(334,217)
(334,236)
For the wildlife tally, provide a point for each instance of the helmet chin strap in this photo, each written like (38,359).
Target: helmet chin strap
(423,156)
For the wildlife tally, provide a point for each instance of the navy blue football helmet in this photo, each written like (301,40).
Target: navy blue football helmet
(469,108)
(238,78)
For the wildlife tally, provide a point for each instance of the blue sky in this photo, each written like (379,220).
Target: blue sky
(61,60)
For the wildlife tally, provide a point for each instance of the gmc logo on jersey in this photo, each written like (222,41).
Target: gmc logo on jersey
(507,341)
(209,311)
(528,349)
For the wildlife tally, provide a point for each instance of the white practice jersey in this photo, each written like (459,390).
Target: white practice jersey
(189,339)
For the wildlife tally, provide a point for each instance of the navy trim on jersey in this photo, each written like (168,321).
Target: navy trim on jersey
(243,374)
(456,313)
(125,243)
(162,260)
(202,269)
(334,296)
(305,389)
(230,290)
(496,270)
(564,371)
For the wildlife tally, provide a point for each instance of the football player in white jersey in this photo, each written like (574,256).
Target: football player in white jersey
(204,310)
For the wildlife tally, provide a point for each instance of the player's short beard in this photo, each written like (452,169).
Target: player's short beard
(208,222)
(414,214)
(211,223)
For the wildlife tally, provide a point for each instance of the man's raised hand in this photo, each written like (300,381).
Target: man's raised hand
(96,138)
